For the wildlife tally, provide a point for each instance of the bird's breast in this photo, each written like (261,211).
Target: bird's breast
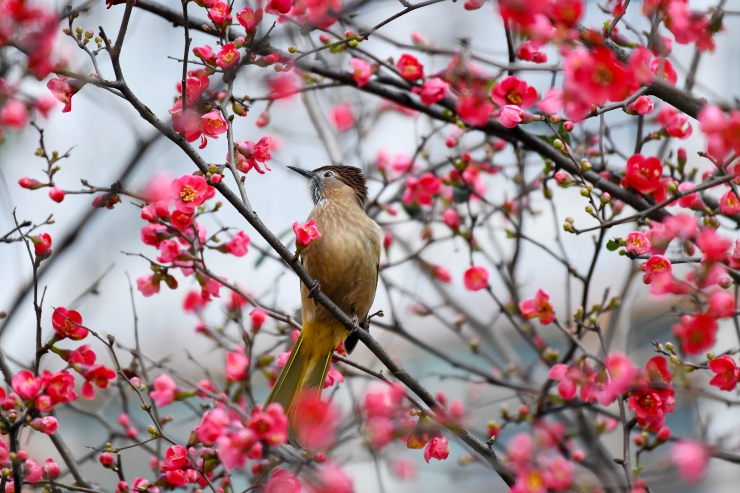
(344,259)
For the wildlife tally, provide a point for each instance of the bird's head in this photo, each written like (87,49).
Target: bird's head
(335,183)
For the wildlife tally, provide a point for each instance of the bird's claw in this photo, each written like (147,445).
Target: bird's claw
(355,325)
(313,291)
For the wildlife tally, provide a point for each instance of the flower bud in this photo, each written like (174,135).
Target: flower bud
(56,194)
(568,126)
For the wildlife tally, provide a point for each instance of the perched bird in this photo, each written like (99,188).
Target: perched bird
(344,260)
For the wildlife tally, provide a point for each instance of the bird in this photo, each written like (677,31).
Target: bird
(344,262)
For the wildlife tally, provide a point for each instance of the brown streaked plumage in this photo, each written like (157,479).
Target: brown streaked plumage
(344,260)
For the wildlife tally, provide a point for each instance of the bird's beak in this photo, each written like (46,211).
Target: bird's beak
(307,173)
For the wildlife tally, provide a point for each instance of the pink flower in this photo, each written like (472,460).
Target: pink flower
(14,114)
(452,219)
(437,448)
(213,124)
(219,13)
(362,72)
(638,243)
(691,460)
(641,106)
(282,481)
(342,117)
(67,324)
(26,385)
(421,190)
(305,233)
(176,457)
(237,365)
(403,468)
(621,371)
(250,154)
(643,174)
(657,265)
(51,469)
(206,54)
(559,475)
(238,246)
(721,304)
(63,91)
(552,102)
(212,425)
(189,191)
(270,425)
(713,246)
(529,51)
(333,376)
(510,116)
(513,91)
(409,67)
(676,124)
(332,479)
(729,203)
(594,76)
(316,422)
(568,385)
(432,91)
(228,56)
(250,19)
(539,307)
(148,285)
(476,278)
(692,200)
(726,373)
(164,390)
(281,6)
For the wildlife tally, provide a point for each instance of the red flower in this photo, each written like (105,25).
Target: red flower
(669,73)
(42,244)
(727,373)
(476,278)
(189,191)
(566,13)
(642,106)
(539,307)
(410,67)
(148,285)
(305,233)
(99,376)
(473,109)
(721,304)
(513,91)
(697,333)
(228,56)
(206,54)
(437,448)
(676,124)
(258,317)
(643,174)
(597,75)
(219,14)
(654,396)
(67,323)
(60,387)
(47,424)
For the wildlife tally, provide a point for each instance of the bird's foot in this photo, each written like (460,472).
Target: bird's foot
(314,290)
(355,325)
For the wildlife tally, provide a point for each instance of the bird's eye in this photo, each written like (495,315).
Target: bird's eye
(328,174)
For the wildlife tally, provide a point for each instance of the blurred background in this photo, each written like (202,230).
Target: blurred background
(91,274)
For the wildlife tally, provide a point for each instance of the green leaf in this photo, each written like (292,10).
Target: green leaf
(612,245)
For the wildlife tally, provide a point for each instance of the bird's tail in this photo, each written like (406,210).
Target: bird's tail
(303,375)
